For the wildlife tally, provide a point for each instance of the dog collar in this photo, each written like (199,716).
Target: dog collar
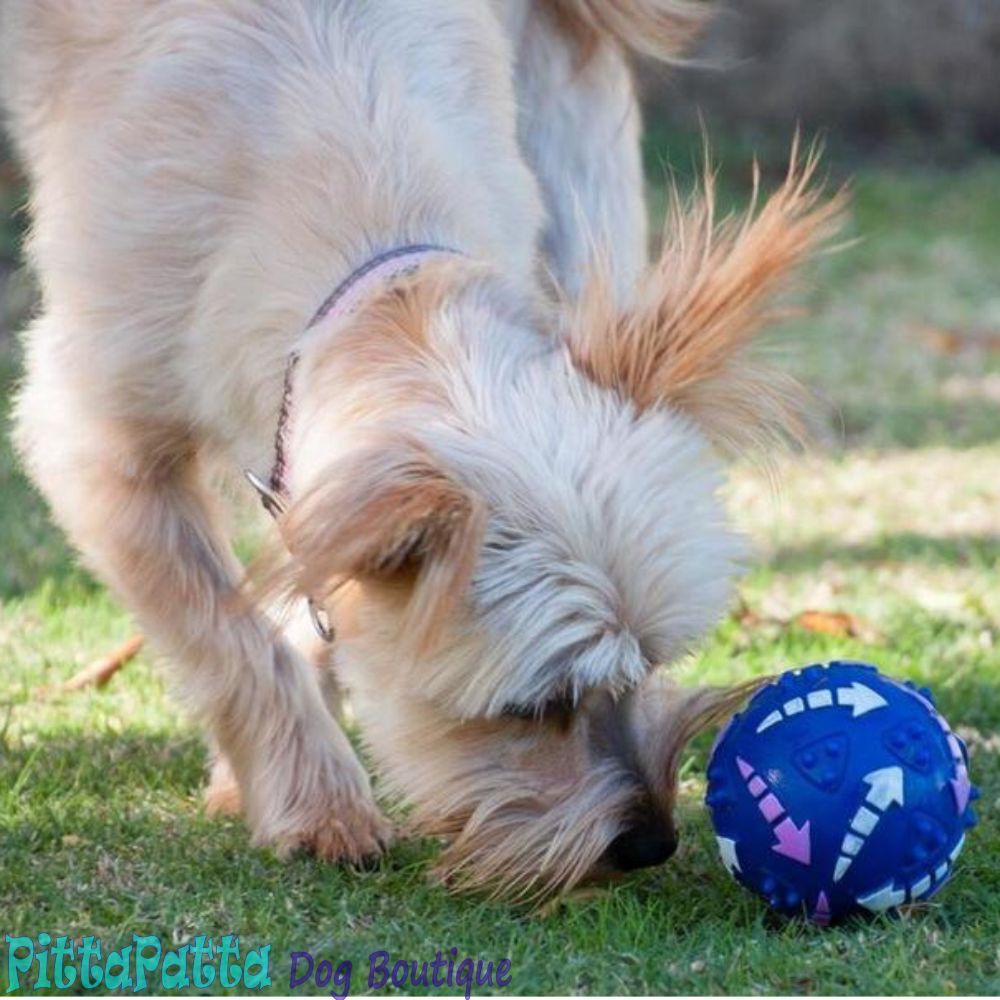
(343,301)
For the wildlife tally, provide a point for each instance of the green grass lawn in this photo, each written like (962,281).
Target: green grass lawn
(895,519)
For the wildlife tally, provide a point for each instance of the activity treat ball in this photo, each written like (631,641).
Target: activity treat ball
(838,791)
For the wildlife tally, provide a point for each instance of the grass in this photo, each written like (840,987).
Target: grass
(893,519)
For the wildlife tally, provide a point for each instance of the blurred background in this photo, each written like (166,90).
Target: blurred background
(881,543)
(904,333)
(910,82)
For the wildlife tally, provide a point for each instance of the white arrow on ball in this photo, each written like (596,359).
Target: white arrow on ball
(860,698)
(885,898)
(889,895)
(886,789)
(727,850)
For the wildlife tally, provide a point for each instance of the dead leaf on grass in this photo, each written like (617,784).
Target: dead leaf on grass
(951,340)
(836,623)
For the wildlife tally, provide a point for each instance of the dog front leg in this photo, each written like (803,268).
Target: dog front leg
(222,794)
(135,506)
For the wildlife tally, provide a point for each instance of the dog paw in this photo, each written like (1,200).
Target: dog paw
(357,834)
(221,796)
(310,793)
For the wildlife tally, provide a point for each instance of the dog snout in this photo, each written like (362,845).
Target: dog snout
(647,843)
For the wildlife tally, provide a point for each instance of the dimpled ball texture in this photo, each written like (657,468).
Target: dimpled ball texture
(839,791)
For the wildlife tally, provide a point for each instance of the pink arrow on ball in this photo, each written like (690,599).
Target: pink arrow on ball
(793,841)
(822,914)
(962,789)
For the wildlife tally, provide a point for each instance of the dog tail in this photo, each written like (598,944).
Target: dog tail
(662,29)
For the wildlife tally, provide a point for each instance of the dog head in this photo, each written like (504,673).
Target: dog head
(529,525)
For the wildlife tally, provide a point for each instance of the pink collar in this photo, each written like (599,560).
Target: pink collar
(344,300)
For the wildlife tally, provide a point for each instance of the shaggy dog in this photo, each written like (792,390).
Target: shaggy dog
(393,255)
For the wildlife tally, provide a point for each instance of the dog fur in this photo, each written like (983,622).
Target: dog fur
(509,498)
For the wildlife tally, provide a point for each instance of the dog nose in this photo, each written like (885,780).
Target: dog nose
(647,844)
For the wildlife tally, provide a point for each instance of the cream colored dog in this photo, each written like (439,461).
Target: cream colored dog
(507,497)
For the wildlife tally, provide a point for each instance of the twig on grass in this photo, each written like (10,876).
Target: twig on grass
(100,671)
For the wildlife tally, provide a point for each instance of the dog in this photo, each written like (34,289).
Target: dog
(391,260)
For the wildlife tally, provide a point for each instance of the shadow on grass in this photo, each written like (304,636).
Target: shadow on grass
(102,834)
(137,787)
(921,423)
(902,547)
(109,788)
(130,804)
(109,765)
(34,550)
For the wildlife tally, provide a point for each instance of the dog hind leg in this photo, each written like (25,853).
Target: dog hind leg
(579,128)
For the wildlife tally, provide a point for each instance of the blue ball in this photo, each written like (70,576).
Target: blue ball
(838,791)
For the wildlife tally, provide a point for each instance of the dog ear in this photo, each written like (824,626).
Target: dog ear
(387,513)
(664,717)
(682,341)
